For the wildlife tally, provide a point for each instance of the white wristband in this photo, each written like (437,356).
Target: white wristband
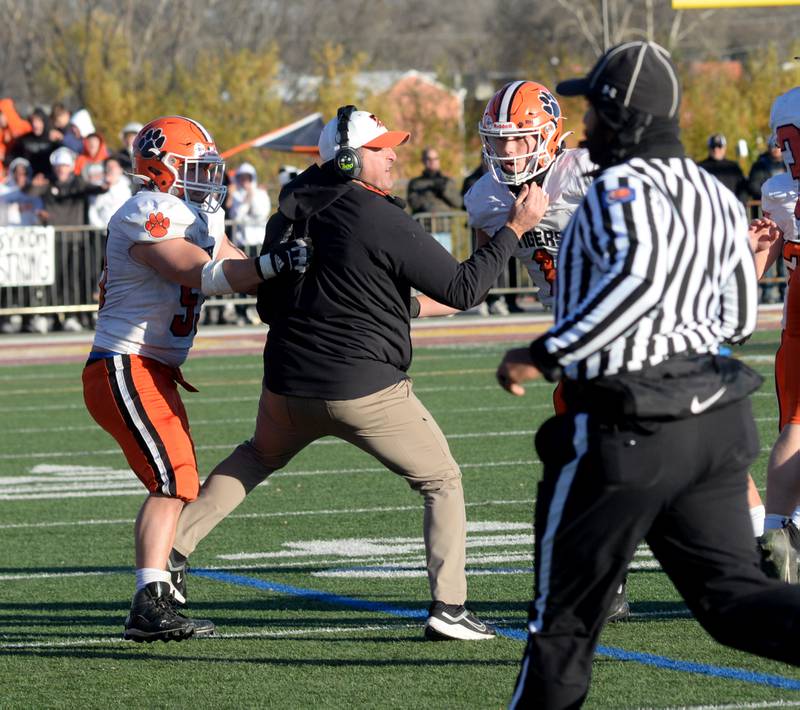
(265,268)
(213,281)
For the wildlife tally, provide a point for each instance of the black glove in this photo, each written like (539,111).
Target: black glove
(289,256)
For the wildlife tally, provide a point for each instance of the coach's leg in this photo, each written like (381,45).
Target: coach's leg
(395,427)
(275,442)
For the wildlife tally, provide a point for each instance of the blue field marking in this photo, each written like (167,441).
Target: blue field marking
(647,659)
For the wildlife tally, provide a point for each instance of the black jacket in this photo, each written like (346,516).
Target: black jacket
(341,330)
(729,174)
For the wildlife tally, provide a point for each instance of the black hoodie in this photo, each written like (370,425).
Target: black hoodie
(341,330)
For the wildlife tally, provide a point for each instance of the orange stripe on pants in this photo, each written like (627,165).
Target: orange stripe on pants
(136,400)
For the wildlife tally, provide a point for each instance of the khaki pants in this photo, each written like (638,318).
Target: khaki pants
(392,425)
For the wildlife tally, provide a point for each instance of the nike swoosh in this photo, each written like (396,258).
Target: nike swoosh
(698,407)
(179,578)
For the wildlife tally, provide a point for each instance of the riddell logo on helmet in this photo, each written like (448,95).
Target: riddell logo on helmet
(503,125)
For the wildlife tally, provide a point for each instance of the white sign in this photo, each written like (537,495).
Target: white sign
(27,256)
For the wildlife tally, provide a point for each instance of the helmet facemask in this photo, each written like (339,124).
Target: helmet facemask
(521,168)
(198,180)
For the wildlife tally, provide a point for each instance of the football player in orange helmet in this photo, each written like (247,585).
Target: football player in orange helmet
(166,251)
(521,132)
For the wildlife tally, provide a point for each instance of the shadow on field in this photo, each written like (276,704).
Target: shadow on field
(142,652)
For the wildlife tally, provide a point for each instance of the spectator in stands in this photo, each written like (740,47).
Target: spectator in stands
(90,164)
(726,171)
(248,208)
(769,163)
(18,207)
(59,121)
(125,153)
(65,203)
(103,206)
(432,191)
(36,145)
(12,126)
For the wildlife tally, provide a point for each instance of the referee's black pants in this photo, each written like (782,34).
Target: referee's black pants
(680,485)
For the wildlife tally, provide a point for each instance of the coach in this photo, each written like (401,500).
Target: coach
(657,272)
(339,346)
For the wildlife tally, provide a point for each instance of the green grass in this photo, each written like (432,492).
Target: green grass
(59,635)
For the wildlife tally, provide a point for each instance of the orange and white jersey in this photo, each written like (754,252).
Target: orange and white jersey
(141,312)
(778,201)
(488,203)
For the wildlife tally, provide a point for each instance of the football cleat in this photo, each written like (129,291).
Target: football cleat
(620,609)
(779,558)
(447,622)
(153,618)
(176,566)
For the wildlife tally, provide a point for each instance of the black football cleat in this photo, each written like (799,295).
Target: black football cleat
(153,617)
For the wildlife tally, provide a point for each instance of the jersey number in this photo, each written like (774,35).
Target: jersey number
(546,265)
(789,140)
(185,323)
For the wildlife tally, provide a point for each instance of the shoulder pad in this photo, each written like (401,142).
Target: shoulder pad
(150,217)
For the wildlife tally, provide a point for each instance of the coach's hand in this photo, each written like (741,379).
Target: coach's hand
(516,368)
(528,209)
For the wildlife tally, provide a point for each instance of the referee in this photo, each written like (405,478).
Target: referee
(658,435)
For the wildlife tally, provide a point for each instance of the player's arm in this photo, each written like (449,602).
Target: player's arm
(766,241)
(427,307)
(182,262)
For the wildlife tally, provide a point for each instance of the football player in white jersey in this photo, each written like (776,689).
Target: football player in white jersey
(166,251)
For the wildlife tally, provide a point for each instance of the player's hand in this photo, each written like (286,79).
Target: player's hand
(528,209)
(763,233)
(516,368)
(294,255)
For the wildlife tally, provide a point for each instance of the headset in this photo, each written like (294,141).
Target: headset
(347,160)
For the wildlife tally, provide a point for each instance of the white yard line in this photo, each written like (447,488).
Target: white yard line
(733,706)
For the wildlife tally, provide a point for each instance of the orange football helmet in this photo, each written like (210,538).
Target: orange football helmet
(177,155)
(521,108)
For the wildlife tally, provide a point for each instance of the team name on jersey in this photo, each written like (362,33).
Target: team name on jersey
(541,238)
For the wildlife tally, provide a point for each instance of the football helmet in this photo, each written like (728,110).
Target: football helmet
(521,109)
(177,155)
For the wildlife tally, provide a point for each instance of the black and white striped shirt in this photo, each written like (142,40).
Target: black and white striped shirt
(655,262)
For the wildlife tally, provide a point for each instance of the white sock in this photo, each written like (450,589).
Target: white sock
(796,516)
(773,521)
(145,575)
(757,515)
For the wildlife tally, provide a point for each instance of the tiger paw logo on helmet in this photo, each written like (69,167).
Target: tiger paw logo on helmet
(157,225)
(151,143)
(550,104)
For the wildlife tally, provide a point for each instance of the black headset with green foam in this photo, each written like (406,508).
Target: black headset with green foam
(347,160)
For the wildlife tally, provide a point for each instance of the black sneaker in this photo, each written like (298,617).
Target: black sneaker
(176,566)
(453,622)
(620,609)
(153,617)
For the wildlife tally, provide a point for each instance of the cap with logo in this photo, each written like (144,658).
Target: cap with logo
(363,130)
(717,140)
(638,76)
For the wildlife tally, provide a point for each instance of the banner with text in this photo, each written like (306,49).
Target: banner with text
(27,256)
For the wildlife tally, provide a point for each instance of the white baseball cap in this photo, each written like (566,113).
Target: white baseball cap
(62,156)
(363,130)
(246,169)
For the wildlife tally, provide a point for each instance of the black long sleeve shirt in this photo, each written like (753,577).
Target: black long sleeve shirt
(342,330)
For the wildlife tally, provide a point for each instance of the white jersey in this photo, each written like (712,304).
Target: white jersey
(141,312)
(778,200)
(488,203)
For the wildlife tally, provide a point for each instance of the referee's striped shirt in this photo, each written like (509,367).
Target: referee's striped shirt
(655,262)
